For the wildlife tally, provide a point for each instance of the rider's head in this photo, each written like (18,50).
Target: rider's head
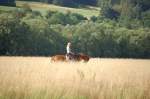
(69,44)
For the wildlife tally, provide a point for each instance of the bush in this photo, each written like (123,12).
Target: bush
(64,19)
(146,18)
(68,3)
(28,37)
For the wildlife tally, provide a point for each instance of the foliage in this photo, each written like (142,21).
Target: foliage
(60,18)
(7,2)
(27,37)
(146,18)
(124,9)
(27,32)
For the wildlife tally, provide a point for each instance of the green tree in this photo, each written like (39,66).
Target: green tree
(13,35)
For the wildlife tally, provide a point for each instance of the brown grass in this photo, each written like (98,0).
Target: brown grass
(38,78)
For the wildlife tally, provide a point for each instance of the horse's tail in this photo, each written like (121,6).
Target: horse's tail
(52,59)
(84,57)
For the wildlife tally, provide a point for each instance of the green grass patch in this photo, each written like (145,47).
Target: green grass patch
(7,9)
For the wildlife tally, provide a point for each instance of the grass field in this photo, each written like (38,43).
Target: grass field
(43,8)
(38,78)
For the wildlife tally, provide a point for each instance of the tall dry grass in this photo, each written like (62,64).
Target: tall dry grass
(38,78)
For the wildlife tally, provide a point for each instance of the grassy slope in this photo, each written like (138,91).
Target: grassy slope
(5,8)
(42,7)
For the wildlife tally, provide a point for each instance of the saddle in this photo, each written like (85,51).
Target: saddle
(72,56)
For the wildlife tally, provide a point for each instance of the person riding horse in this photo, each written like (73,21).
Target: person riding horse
(70,54)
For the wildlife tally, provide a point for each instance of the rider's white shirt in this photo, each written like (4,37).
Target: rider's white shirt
(68,49)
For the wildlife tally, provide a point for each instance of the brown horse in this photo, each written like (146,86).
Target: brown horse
(58,58)
(76,58)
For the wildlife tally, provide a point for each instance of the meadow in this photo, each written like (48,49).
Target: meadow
(100,78)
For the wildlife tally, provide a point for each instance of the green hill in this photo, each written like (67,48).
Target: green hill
(87,11)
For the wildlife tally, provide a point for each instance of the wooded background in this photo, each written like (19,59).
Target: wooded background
(122,29)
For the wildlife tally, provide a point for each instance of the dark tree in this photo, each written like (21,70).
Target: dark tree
(86,2)
(69,3)
(7,2)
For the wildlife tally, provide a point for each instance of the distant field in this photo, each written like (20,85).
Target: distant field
(38,78)
(42,7)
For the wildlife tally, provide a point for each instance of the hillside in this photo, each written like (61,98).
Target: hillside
(88,11)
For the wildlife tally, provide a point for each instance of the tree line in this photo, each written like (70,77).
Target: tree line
(120,10)
(69,3)
(27,32)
